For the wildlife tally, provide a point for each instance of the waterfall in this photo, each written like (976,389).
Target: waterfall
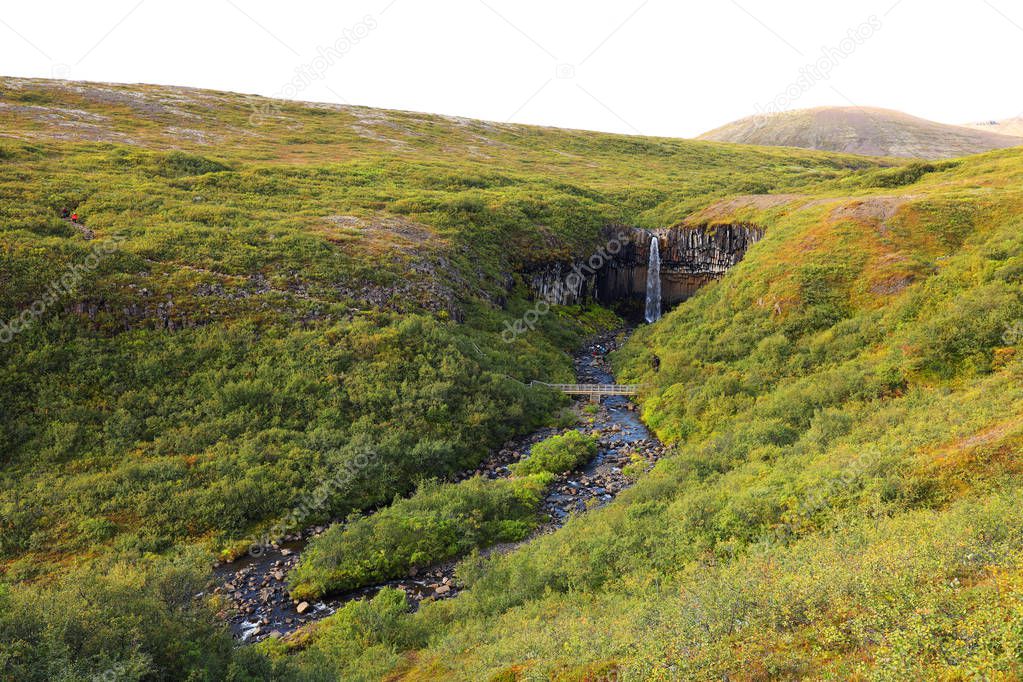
(653,283)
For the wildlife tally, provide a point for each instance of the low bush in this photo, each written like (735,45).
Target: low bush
(441,521)
(180,164)
(126,620)
(557,454)
(905,175)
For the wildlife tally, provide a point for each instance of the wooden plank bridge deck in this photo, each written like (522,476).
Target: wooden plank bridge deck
(594,390)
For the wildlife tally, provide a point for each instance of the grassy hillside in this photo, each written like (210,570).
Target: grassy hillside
(845,408)
(251,309)
(258,297)
(863,130)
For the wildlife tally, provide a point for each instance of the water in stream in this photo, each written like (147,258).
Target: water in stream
(256,586)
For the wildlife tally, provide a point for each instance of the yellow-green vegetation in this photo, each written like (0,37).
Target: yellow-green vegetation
(557,454)
(636,466)
(363,641)
(124,615)
(846,408)
(274,302)
(438,522)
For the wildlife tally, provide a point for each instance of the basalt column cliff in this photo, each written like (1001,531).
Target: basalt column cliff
(690,257)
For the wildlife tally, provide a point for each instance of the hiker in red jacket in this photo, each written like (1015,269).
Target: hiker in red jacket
(74,217)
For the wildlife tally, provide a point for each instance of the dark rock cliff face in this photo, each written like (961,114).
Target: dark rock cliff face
(616,274)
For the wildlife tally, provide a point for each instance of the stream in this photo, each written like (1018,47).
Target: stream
(256,587)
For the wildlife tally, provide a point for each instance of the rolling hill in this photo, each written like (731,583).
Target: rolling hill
(260,293)
(862,130)
(1005,126)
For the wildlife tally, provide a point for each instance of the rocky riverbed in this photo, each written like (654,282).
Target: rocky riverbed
(256,587)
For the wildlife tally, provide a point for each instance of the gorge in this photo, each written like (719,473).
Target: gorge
(254,588)
(616,276)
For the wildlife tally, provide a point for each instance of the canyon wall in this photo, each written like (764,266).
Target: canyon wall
(616,274)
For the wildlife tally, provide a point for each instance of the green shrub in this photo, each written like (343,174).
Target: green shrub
(139,619)
(95,530)
(963,331)
(901,176)
(362,641)
(557,454)
(281,408)
(180,164)
(441,521)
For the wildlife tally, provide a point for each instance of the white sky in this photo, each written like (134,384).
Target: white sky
(657,67)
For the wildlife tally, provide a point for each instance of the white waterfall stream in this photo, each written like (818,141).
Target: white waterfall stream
(653,283)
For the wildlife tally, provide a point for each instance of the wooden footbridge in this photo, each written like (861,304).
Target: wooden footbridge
(595,391)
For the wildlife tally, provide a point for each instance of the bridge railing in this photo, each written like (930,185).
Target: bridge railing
(594,389)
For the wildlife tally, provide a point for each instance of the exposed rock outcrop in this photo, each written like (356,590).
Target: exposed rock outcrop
(616,274)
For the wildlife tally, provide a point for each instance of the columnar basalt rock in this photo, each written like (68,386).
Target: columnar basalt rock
(690,258)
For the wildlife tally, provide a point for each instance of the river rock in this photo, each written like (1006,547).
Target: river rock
(573,492)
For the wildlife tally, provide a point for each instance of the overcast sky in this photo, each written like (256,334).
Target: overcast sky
(656,67)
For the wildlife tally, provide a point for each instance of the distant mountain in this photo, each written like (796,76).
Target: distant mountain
(1005,126)
(862,130)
